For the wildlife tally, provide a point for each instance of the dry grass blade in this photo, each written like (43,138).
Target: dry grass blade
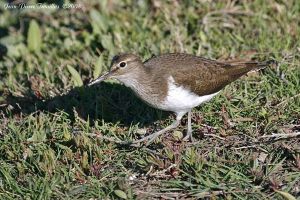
(280,136)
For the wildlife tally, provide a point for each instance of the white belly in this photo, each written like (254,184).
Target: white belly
(181,99)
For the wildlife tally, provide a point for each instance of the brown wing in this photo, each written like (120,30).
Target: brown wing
(200,75)
(206,78)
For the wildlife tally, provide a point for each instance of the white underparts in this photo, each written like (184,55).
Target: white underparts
(182,100)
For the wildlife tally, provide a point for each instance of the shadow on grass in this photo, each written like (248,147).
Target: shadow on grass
(107,101)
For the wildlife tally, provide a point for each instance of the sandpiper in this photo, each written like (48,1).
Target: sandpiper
(175,82)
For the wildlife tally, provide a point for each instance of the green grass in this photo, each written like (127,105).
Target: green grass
(52,127)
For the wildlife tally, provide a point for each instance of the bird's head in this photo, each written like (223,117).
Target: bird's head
(122,67)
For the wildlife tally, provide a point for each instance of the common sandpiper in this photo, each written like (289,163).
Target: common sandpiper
(175,82)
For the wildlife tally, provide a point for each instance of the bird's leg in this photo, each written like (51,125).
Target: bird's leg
(189,127)
(152,137)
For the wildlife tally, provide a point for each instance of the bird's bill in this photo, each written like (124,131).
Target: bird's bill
(100,78)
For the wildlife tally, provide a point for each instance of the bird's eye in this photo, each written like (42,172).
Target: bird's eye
(122,64)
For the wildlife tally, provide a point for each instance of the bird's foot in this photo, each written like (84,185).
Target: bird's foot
(148,139)
(188,137)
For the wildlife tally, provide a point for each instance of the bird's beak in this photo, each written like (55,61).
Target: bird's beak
(100,78)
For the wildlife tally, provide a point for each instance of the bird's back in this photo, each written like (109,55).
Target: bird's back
(200,75)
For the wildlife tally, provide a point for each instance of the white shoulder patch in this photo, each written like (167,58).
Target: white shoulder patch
(182,99)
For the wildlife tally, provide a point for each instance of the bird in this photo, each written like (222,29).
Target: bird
(176,82)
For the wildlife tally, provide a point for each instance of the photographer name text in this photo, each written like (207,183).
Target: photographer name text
(8,6)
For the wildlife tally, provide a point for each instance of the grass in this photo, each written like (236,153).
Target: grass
(52,127)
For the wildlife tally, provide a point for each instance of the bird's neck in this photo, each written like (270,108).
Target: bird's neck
(136,78)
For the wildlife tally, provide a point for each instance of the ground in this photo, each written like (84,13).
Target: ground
(58,137)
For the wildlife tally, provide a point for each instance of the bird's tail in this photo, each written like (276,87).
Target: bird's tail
(253,65)
(238,69)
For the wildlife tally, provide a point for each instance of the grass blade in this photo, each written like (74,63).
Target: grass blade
(34,37)
(75,76)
